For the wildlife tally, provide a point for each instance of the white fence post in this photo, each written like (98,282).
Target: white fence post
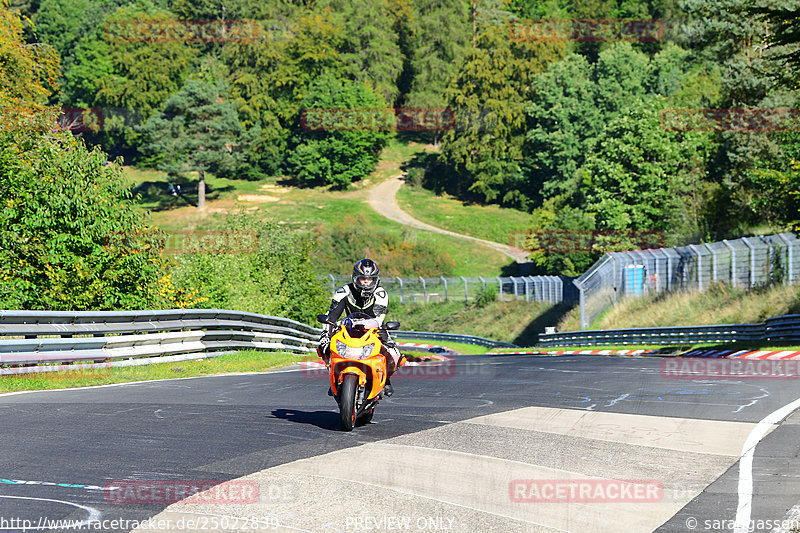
(789,257)
(733,262)
(752,261)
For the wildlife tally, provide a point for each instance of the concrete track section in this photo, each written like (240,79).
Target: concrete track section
(485,473)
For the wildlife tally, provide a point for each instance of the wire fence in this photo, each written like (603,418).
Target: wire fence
(423,290)
(744,263)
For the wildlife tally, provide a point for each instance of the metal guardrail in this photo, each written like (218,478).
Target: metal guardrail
(780,329)
(34,337)
(452,337)
(31,338)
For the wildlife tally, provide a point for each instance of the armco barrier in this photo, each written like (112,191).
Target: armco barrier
(29,338)
(452,337)
(784,328)
(57,337)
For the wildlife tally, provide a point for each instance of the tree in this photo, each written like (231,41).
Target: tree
(484,149)
(269,79)
(643,177)
(564,121)
(732,34)
(441,40)
(29,71)
(342,147)
(784,36)
(114,67)
(71,239)
(277,277)
(198,130)
(369,49)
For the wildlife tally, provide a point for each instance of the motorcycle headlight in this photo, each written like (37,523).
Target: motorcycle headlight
(367,350)
(341,349)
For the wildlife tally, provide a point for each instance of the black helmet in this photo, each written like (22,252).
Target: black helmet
(366,277)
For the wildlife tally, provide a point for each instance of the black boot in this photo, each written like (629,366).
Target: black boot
(388,390)
(330,391)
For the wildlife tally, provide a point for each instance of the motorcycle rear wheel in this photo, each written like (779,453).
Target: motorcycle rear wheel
(347,402)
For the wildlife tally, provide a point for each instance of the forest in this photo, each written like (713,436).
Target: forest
(618,117)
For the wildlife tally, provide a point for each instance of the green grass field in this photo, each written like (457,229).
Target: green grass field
(303,208)
(489,222)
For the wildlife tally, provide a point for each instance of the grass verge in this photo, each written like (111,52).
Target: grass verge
(244,361)
(460,347)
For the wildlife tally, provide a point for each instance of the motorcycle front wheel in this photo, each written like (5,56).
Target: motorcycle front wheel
(347,402)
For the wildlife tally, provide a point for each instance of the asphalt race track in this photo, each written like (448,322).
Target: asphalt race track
(451,451)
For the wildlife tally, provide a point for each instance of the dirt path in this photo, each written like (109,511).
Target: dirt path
(382,199)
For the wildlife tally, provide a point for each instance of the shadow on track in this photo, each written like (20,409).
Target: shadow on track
(321,419)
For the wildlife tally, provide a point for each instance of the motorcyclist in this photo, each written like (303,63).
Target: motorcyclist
(363,294)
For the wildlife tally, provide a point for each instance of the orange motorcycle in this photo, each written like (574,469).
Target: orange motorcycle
(357,367)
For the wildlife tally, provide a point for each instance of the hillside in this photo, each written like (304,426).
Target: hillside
(344,226)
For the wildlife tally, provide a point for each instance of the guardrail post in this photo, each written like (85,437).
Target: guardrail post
(400,281)
(500,285)
(333,283)
(789,258)
(528,281)
(752,261)
(424,290)
(445,287)
(733,262)
(466,294)
(483,282)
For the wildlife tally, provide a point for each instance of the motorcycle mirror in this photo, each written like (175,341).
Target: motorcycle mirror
(322,319)
(393,325)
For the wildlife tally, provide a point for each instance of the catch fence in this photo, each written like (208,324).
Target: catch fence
(743,263)
(423,290)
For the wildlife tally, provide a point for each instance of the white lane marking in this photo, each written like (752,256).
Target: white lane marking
(745,506)
(615,400)
(4,481)
(754,400)
(94,514)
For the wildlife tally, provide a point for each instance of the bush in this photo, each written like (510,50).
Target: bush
(71,238)
(271,275)
(485,296)
(341,245)
(415,177)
